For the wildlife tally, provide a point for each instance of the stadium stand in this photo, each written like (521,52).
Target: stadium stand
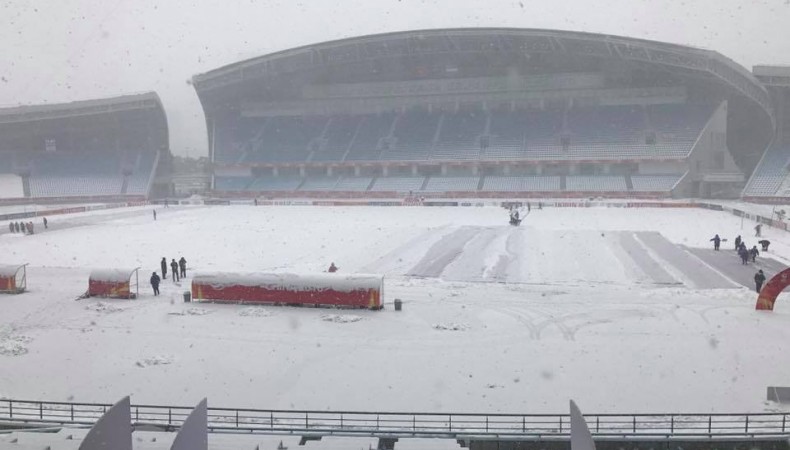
(654,183)
(521,184)
(459,135)
(398,184)
(269,183)
(339,134)
(11,186)
(353,184)
(232,183)
(443,184)
(286,139)
(598,183)
(319,184)
(365,145)
(413,137)
(769,175)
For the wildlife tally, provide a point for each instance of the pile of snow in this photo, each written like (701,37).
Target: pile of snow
(340,318)
(103,307)
(451,326)
(13,345)
(159,360)
(253,311)
(192,312)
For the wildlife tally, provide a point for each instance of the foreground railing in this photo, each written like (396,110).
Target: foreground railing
(390,424)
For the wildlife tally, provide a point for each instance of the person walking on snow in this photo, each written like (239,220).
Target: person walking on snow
(163,263)
(332,268)
(744,254)
(16,226)
(155,283)
(11,226)
(764,244)
(174,268)
(758,229)
(759,279)
(753,253)
(716,242)
(182,264)
(45,223)
(154,214)
(737,242)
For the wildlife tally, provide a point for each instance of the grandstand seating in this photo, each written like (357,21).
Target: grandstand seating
(270,183)
(286,139)
(398,184)
(654,183)
(770,173)
(339,133)
(602,132)
(521,183)
(598,183)
(458,138)
(232,183)
(11,186)
(319,184)
(443,184)
(353,184)
(413,137)
(75,174)
(372,128)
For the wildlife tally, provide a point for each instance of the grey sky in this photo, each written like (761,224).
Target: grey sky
(55,51)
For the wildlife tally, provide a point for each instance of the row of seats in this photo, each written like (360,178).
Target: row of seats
(548,183)
(634,132)
(66,174)
(770,173)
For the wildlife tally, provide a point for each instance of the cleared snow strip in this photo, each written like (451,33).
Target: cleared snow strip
(639,255)
(399,260)
(442,253)
(477,256)
(700,274)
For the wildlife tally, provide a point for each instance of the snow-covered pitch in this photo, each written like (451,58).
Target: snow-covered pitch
(623,310)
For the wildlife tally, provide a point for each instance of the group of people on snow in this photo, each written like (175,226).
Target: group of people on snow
(23,227)
(747,254)
(178,270)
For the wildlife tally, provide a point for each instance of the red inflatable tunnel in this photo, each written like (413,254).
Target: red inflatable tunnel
(772,289)
(348,291)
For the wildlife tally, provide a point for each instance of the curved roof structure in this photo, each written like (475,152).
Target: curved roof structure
(147,100)
(691,60)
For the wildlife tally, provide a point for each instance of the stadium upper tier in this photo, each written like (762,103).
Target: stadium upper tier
(611,133)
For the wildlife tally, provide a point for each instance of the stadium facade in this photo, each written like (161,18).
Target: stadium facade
(111,149)
(487,113)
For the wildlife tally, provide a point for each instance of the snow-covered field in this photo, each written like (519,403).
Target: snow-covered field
(607,306)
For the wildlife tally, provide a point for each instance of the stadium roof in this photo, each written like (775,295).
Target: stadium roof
(442,41)
(28,113)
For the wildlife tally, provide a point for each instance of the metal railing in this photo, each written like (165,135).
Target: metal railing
(395,424)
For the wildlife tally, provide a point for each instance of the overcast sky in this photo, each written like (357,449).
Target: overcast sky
(63,50)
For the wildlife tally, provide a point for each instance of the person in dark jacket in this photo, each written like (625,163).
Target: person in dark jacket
(716,242)
(174,268)
(758,230)
(11,226)
(30,227)
(45,223)
(744,254)
(155,283)
(764,244)
(753,253)
(182,264)
(737,242)
(154,214)
(332,268)
(163,263)
(759,279)
(16,226)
